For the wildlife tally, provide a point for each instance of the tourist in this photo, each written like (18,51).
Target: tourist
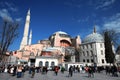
(90,71)
(19,72)
(62,69)
(70,71)
(14,71)
(56,70)
(33,71)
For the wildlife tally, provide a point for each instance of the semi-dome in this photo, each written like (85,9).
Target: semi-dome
(94,37)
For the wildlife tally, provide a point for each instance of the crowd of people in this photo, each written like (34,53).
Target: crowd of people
(19,70)
(91,70)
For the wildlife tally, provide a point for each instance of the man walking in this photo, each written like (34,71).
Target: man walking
(33,71)
(71,71)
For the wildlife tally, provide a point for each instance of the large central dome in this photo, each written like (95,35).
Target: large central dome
(94,37)
(60,32)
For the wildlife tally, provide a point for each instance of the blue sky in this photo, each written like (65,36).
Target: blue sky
(75,17)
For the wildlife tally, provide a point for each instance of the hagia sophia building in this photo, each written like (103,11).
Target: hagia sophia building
(61,48)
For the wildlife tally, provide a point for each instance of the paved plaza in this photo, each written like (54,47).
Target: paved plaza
(60,76)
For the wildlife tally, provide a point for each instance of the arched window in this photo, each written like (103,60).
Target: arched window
(52,63)
(40,63)
(46,63)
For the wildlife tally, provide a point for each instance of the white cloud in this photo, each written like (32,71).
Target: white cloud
(13,9)
(8,4)
(5,15)
(73,3)
(11,6)
(113,23)
(18,19)
(104,4)
(83,20)
(7,10)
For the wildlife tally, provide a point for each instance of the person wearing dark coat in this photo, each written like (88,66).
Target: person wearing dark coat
(56,70)
(14,71)
(70,71)
(33,71)
(114,71)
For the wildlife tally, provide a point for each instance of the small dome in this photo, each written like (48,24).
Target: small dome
(94,37)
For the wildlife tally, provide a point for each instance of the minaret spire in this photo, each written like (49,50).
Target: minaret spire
(26,30)
(30,37)
(94,31)
(28,12)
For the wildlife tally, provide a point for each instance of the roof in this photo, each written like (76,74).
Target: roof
(50,49)
(22,60)
(94,37)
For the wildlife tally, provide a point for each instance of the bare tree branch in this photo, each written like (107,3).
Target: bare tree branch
(8,34)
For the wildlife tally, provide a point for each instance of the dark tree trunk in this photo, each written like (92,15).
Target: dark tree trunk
(109,55)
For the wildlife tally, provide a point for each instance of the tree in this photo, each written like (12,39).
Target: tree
(8,33)
(110,37)
(118,50)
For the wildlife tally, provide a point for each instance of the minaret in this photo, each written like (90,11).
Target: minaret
(26,30)
(30,37)
(94,31)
